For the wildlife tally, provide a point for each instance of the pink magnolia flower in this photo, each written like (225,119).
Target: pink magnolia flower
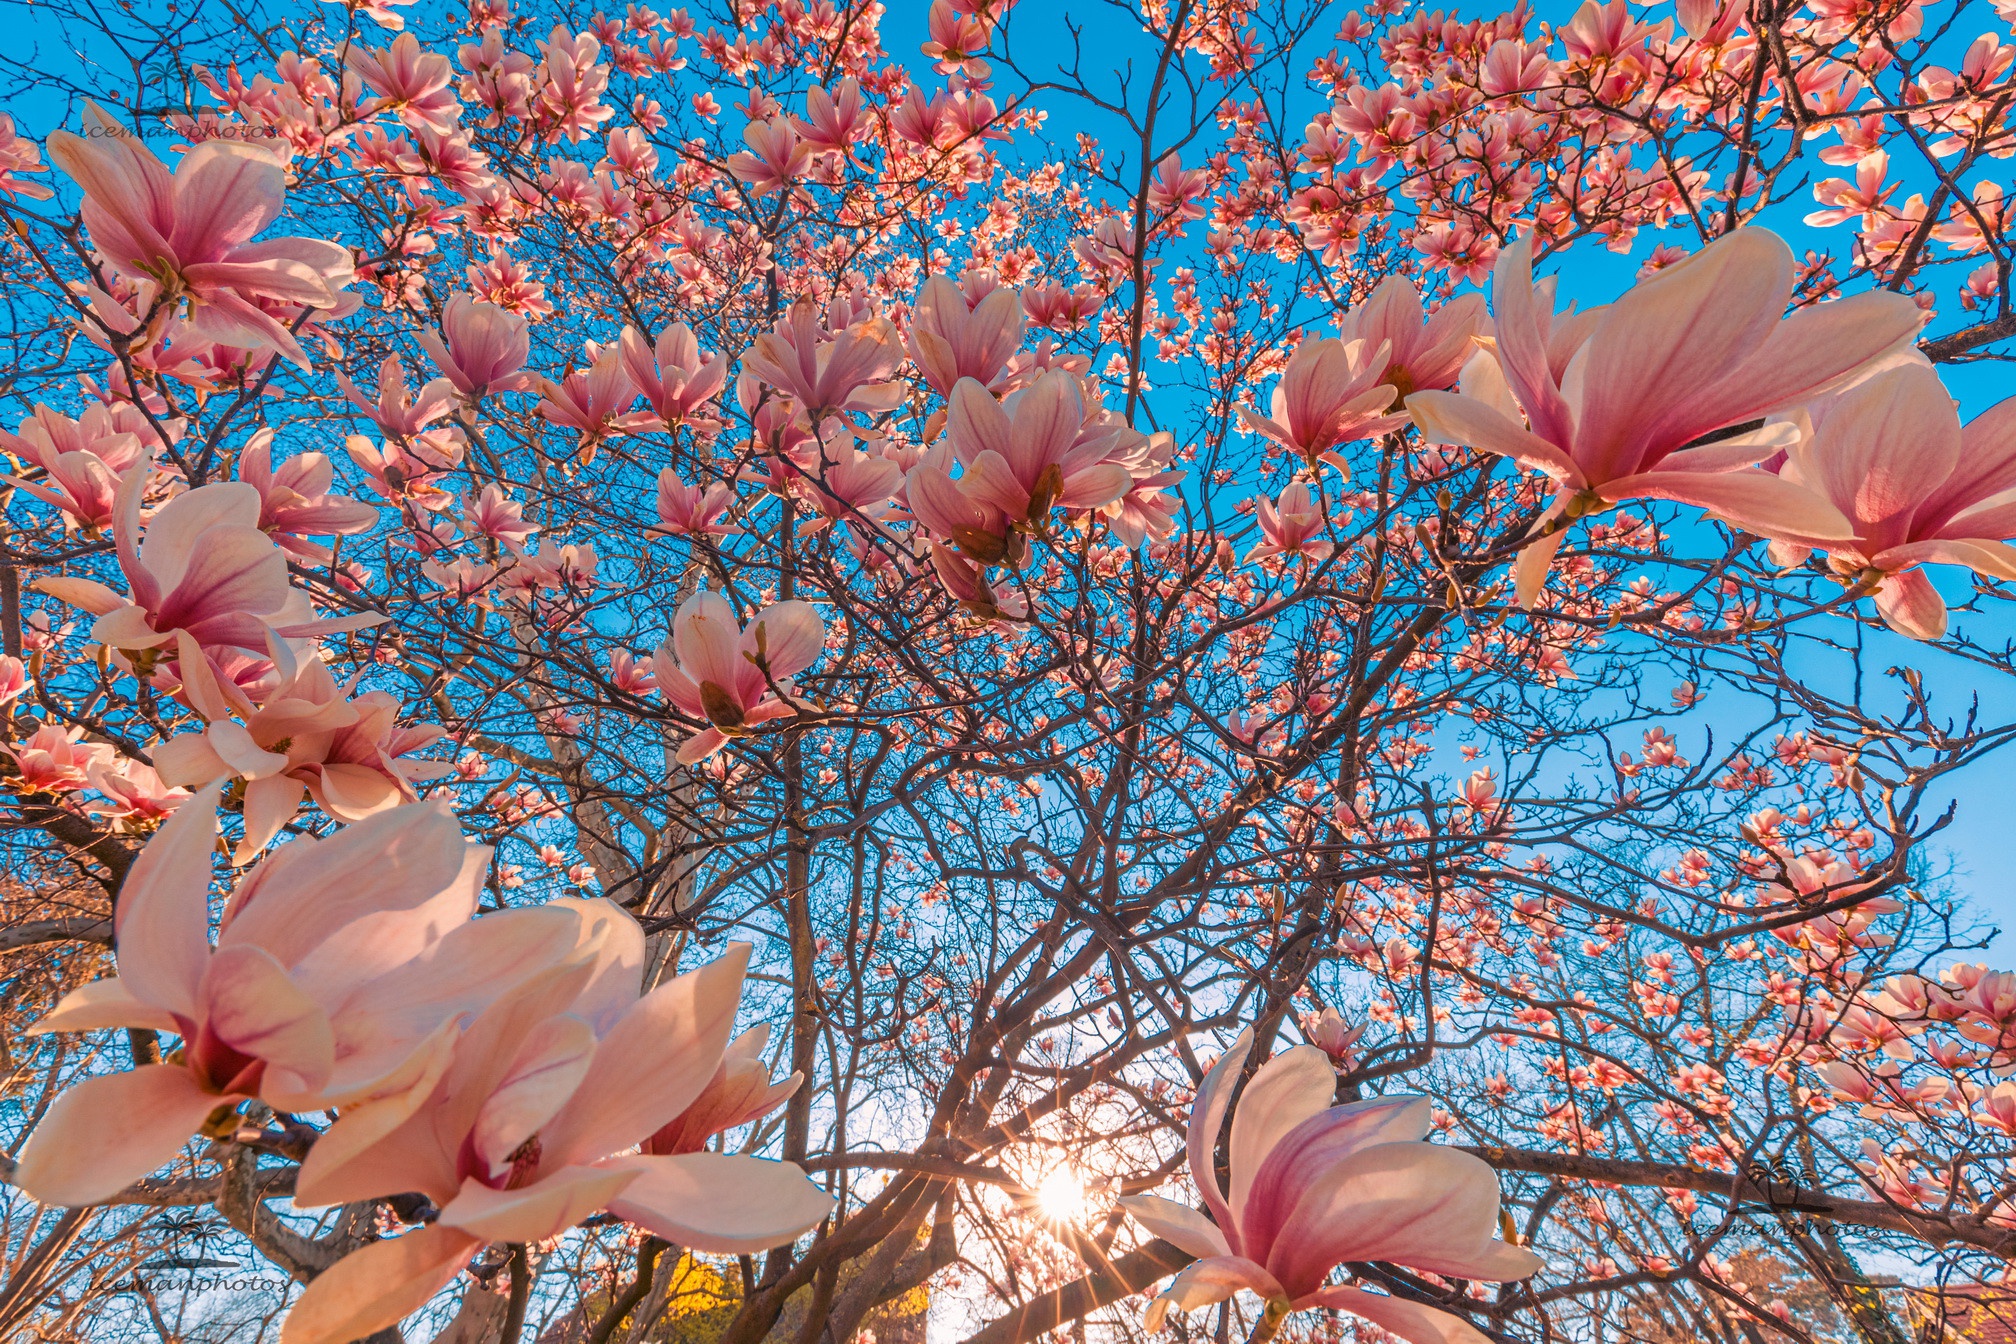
(81,461)
(396,412)
(1614,399)
(691,510)
(495,516)
(967,330)
(959,38)
(1292,528)
(133,792)
(307,941)
(1149,508)
(409,470)
(191,231)
(1034,451)
(529,1131)
(204,568)
(776,157)
(1917,488)
(673,377)
(294,501)
(849,484)
(739,1092)
(967,584)
(980,528)
(822,371)
(712,669)
(56,759)
(485,350)
(830,120)
(593,402)
(308,739)
(21,156)
(411,82)
(1331,393)
(1423,350)
(1314,1186)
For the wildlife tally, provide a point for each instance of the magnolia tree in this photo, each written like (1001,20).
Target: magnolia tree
(811,671)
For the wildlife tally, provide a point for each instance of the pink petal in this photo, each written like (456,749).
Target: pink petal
(269,804)
(1883,446)
(1317,1144)
(1655,349)
(653,1063)
(1207,1117)
(1754,501)
(545,1208)
(1413,1204)
(546,1069)
(1451,417)
(162,925)
(1288,1089)
(251,1004)
(611,944)
(108,1132)
(793,637)
(1912,606)
(705,635)
(1209,1281)
(308,889)
(225,192)
(175,532)
(720,1203)
(378,1285)
(975,423)
(1178,1224)
(1993,559)
(1410,1320)
(104,1003)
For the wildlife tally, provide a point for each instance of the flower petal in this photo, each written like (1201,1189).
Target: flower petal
(720,1203)
(1288,1089)
(1178,1224)
(545,1208)
(653,1063)
(162,924)
(108,1132)
(377,1286)
(1411,1321)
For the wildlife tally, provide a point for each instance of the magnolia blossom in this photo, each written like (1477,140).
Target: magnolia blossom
(1612,399)
(191,231)
(1331,393)
(308,739)
(1314,1186)
(303,939)
(1292,528)
(776,157)
(294,500)
(1023,456)
(967,330)
(1917,488)
(485,348)
(672,377)
(712,669)
(205,568)
(691,510)
(81,461)
(394,410)
(739,1092)
(531,1128)
(1423,350)
(824,371)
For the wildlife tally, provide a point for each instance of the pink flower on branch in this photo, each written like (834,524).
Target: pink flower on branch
(205,568)
(1617,401)
(1332,393)
(1314,1186)
(673,377)
(1916,488)
(288,1005)
(967,330)
(191,231)
(734,679)
(532,1128)
(485,347)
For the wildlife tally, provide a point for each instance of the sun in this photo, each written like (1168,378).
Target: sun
(1060,1196)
